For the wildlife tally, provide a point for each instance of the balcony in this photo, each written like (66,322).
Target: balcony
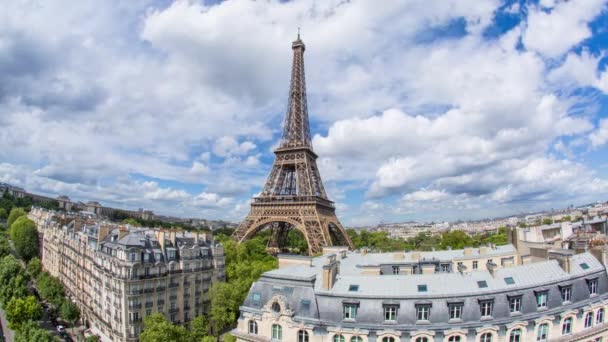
(160,288)
(135,320)
(186,295)
(173,297)
(198,281)
(134,306)
(174,285)
(149,290)
(134,292)
(186,283)
(149,304)
(173,310)
(160,302)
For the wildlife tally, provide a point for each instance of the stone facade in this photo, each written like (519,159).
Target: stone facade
(118,275)
(336,298)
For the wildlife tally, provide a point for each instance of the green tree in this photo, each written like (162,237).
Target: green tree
(16,288)
(93,338)
(50,288)
(224,305)
(132,222)
(31,332)
(33,268)
(3,214)
(547,221)
(208,339)
(25,238)
(157,328)
(457,239)
(21,310)
(69,311)
(9,268)
(5,247)
(199,328)
(14,215)
(229,338)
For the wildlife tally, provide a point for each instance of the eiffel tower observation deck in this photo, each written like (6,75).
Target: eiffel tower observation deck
(293,196)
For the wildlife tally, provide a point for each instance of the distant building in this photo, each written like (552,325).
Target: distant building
(119,275)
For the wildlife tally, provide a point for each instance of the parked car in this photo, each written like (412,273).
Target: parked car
(61,329)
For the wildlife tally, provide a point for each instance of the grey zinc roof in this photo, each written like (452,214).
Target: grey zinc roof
(439,284)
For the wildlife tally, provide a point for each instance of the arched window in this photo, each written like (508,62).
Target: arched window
(567,326)
(588,319)
(600,316)
(487,337)
(543,333)
(454,339)
(338,338)
(253,327)
(276,307)
(356,339)
(421,339)
(302,336)
(391,339)
(515,335)
(277,332)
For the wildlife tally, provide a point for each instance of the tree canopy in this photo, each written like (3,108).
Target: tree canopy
(158,328)
(25,238)
(31,332)
(14,215)
(20,310)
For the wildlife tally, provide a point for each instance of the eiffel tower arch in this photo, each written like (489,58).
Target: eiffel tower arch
(293,196)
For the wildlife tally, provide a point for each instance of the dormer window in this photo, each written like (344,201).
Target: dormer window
(276,307)
(132,256)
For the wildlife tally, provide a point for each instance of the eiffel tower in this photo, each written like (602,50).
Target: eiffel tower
(293,196)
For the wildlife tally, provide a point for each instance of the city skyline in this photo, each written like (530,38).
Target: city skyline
(446,112)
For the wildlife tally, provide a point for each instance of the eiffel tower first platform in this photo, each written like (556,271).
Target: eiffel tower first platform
(293,196)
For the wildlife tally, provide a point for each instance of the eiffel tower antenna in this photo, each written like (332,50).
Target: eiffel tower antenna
(293,196)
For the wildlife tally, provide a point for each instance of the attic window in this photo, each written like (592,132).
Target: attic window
(353,288)
(305,304)
(422,288)
(256,297)
(509,280)
(584,266)
(482,284)
(276,307)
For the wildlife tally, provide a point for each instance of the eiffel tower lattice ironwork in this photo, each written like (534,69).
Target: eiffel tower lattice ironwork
(293,196)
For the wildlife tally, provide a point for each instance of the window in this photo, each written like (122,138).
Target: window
(253,327)
(356,339)
(277,332)
(566,294)
(388,339)
(338,338)
(486,308)
(302,336)
(423,312)
(445,268)
(515,335)
(509,281)
(353,288)
(543,332)
(395,269)
(455,311)
(487,337)
(475,264)
(350,311)
(422,288)
(454,339)
(567,326)
(305,305)
(276,307)
(584,266)
(482,284)
(592,284)
(600,316)
(256,297)
(390,313)
(541,299)
(422,339)
(514,304)
(588,319)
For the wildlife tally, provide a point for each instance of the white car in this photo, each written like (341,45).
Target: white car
(60,329)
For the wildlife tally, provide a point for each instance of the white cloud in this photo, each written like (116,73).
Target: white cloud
(565,26)
(600,136)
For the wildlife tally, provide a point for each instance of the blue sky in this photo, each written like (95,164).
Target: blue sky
(435,110)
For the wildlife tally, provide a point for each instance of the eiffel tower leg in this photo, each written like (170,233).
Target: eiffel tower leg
(278,236)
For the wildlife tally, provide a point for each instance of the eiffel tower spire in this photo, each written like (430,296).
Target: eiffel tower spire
(296,131)
(293,196)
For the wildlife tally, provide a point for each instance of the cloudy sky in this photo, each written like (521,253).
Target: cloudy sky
(423,110)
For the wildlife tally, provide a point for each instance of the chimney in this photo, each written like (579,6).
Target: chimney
(122,232)
(483,250)
(415,256)
(364,251)
(103,232)
(160,236)
(468,251)
(330,271)
(491,266)
(398,256)
(343,254)
(287,260)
